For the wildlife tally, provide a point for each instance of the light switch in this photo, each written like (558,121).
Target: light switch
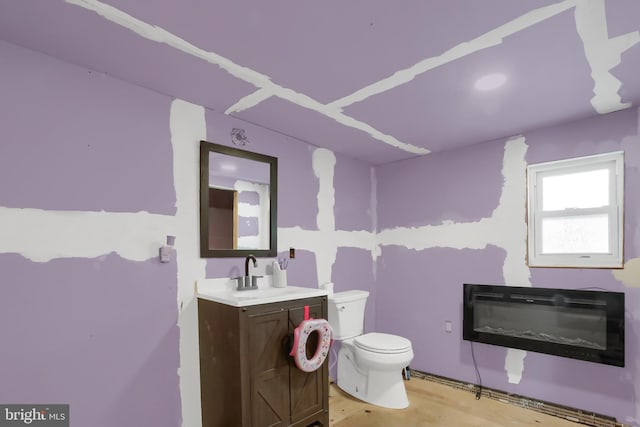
(448,326)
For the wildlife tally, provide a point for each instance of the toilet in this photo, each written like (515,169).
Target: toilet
(369,365)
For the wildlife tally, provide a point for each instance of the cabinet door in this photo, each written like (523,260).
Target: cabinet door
(306,387)
(268,365)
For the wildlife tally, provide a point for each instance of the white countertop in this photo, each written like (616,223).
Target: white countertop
(224,291)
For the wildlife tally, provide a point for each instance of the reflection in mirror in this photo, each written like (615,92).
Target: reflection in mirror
(237,202)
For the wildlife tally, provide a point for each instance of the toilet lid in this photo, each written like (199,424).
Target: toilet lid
(382,343)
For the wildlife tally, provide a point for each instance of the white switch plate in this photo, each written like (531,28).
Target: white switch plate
(448,326)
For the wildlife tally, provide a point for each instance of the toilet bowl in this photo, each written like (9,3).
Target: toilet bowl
(369,365)
(374,374)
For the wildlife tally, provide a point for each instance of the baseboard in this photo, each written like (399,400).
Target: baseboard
(560,411)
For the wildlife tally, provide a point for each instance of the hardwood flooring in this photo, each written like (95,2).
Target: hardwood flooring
(435,405)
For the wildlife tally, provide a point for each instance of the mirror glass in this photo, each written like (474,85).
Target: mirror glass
(238,202)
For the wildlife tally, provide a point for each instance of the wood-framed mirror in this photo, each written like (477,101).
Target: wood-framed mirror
(238,202)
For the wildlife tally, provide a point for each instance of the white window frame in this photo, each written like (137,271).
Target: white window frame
(615,210)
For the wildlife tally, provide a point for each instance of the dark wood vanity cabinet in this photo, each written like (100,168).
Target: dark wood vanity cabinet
(247,376)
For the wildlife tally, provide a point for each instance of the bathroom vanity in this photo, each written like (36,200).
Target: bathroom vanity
(247,376)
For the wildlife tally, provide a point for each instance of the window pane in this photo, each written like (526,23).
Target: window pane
(576,190)
(576,234)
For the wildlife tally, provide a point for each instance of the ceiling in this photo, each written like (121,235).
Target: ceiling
(376,80)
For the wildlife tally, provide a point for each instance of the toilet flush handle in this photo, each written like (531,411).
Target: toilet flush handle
(341,308)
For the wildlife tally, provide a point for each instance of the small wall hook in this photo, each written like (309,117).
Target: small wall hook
(167,249)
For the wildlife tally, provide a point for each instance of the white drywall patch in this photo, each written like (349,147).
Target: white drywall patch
(630,274)
(263,82)
(513,199)
(160,35)
(324,162)
(249,211)
(261,212)
(325,241)
(514,365)
(472,235)
(602,53)
(41,235)
(249,101)
(373,211)
(514,269)
(487,231)
(489,39)
(188,127)
(387,139)
(315,240)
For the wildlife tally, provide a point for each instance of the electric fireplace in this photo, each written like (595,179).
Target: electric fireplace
(580,324)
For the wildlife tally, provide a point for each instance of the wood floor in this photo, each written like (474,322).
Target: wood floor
(435,405)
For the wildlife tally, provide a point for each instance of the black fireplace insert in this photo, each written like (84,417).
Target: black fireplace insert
(580,324)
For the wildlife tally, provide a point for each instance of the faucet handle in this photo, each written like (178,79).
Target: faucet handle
(241,282)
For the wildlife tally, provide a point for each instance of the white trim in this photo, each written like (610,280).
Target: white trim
(614,211)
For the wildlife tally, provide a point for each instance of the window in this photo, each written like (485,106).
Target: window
(575,209)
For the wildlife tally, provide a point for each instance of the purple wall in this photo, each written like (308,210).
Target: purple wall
(101,333)
(73,139)
(431,189)
(418,290)
(353,209)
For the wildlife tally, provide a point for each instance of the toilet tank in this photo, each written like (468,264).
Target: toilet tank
(346,313)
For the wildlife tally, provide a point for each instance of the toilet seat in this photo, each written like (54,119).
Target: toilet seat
(382,343)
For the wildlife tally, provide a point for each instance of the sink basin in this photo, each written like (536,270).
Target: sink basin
(224,291)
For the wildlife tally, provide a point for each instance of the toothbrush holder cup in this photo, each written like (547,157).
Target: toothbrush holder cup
(279,278)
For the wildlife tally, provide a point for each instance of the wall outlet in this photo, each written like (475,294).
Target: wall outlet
(448,326)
